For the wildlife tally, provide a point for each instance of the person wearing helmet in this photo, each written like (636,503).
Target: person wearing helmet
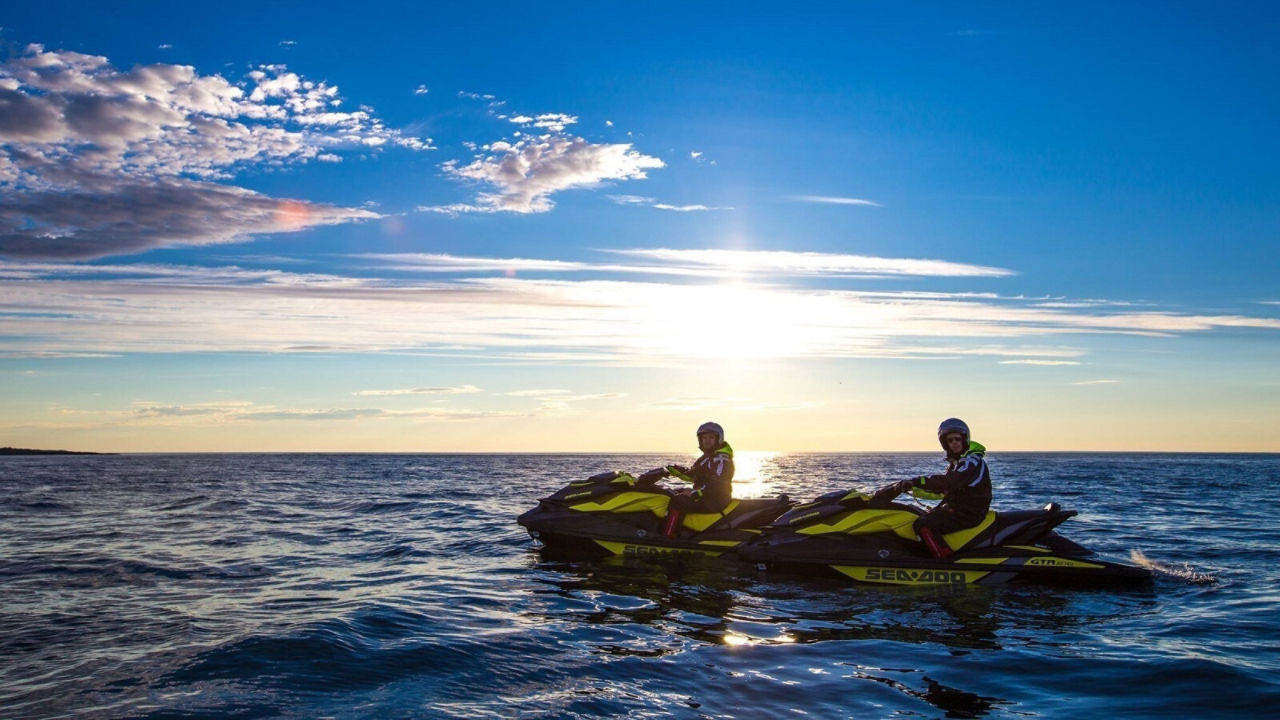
(711,476)
(965,488)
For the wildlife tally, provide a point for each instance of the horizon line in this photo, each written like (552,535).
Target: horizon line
(36,451)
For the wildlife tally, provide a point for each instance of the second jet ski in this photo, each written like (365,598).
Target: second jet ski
(616,513)
(871,540)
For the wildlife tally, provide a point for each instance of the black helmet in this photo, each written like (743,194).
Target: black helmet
(714,428)
(952,425)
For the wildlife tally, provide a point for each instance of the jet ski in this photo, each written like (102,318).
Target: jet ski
(615,513)
(869,539)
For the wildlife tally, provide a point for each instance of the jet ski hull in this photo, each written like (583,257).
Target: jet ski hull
(566,531)
(888,559)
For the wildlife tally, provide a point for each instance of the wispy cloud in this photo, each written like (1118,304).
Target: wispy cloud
(785,261)
(699,263)
(421,90)
(736,404)
(55,308)
(650,202)
(95,161)
(1096,382)
(831,200)
(536,392)
(1046,363)
(143,413)
(559,405)
(461,390)
(433,262)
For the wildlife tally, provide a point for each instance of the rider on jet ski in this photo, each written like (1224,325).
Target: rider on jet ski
(711,475)
(965,488)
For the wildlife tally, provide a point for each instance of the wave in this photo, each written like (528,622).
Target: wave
(1185,573)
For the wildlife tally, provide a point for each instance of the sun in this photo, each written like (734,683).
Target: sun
(734,321)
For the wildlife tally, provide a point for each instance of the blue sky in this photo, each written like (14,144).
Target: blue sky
(513,227)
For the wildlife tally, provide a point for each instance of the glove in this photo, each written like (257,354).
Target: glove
(907,485)
(679,471)
(653,475)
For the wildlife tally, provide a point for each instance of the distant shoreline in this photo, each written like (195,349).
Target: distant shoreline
(31,451)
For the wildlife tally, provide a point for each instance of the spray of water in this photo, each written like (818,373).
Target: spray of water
(1184,573)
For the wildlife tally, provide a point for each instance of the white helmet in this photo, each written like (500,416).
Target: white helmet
(952,425)
(714,428)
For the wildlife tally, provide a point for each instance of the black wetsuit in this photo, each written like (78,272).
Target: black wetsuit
(966,491)
(712,478)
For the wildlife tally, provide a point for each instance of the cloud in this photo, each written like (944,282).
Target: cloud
(650,202)
(422,391)
(686,208)
(828,200)
(134,218)
(563,405)
(152,414)
(328,414)
(720,404)
(552,122)
(51,308)
(696,263)
(522,176)
(1039,362)
(421,90)
(812,263)
(176,411)
(76,131)
(422,414)
(438,263)
(536,393)
(1096,382)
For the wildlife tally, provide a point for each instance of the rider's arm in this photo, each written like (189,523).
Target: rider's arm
(679,472)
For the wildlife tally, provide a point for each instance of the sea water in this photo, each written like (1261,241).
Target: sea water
(395,586)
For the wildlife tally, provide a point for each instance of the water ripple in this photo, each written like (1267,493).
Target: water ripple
(356,586)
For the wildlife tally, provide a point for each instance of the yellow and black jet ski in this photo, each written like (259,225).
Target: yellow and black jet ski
(862,537)
(615,513)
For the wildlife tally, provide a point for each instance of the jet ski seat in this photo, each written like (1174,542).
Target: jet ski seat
(960,538)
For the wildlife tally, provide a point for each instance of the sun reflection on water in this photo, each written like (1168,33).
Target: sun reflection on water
(755,473)
(737,639)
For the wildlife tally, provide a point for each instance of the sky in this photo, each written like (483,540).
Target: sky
(414,227)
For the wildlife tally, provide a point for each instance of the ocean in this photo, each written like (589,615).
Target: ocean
(400,586)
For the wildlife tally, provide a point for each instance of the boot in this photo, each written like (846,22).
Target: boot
(672,525)
(936,546)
